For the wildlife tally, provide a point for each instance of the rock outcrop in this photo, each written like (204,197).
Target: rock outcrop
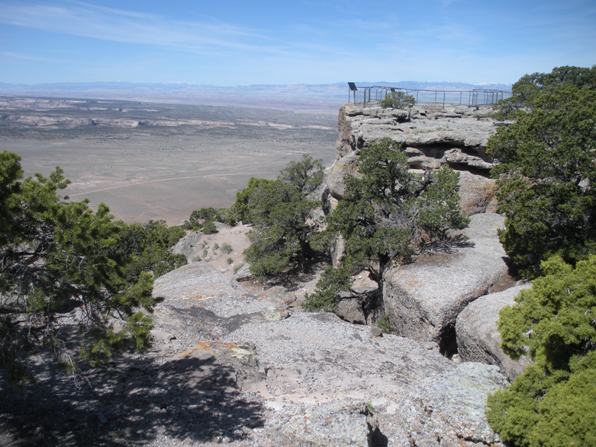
(478,338)
(423,299)
(336,174)
(239,362)
(431,138)
(321,377)
(457,135)
(321,381)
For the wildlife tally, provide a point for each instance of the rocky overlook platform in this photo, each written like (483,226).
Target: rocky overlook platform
(431,137)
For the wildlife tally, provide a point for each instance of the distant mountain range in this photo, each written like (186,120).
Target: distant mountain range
(290,96)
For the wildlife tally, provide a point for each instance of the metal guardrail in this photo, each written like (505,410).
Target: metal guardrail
(374,94)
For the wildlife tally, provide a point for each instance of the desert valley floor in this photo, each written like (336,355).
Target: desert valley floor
(159,161)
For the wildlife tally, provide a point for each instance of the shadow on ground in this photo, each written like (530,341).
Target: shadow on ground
(188,399)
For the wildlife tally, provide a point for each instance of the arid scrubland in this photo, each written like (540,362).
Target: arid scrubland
(158,161)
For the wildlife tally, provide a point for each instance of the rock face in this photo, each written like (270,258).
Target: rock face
(318,380)
(431,138)
(362,303)
(329,383)
(478,338)
(457,135)
(423,299)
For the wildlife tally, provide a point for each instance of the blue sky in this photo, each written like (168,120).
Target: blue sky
(224,42)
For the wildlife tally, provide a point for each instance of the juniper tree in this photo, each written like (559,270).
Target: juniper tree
(551,403)
(62,259)
(546,171)
(388,213)
(279,211)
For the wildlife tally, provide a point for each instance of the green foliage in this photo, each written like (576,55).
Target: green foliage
(388,212)
(257,194)
(397,99)
(279,239)
(530,86)
(547,170)
(559,312)
(333,281)
(437,207)
(149,248)
(384,323)
(279,211)
(551,403)
(204,215)
(226,248)
(57,256)
(209,227)
(305,175)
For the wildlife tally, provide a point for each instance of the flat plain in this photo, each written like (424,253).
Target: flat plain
(159,161)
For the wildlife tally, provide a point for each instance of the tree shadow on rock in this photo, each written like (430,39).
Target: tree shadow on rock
(187,399)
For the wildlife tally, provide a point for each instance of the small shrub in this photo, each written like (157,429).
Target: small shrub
(326,295)
(205,252)
(209,227)
(203,215)
(230,261)
(398,100)
(385,324)
(438,207)
(226,248)
(215,246)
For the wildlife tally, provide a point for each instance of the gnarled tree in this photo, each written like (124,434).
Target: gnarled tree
(61,261)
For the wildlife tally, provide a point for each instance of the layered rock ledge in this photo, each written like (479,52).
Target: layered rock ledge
(456,135)
(430,137)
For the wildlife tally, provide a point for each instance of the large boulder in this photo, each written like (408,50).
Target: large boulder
(476,193)
(202,302)
(330,383)
(478,339)
(423,299)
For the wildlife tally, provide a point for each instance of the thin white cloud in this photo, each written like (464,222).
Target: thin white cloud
(30,57)
(98,22)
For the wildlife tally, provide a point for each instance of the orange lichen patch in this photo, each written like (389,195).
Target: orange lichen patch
(230,345)
(413,282)
(200,346)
